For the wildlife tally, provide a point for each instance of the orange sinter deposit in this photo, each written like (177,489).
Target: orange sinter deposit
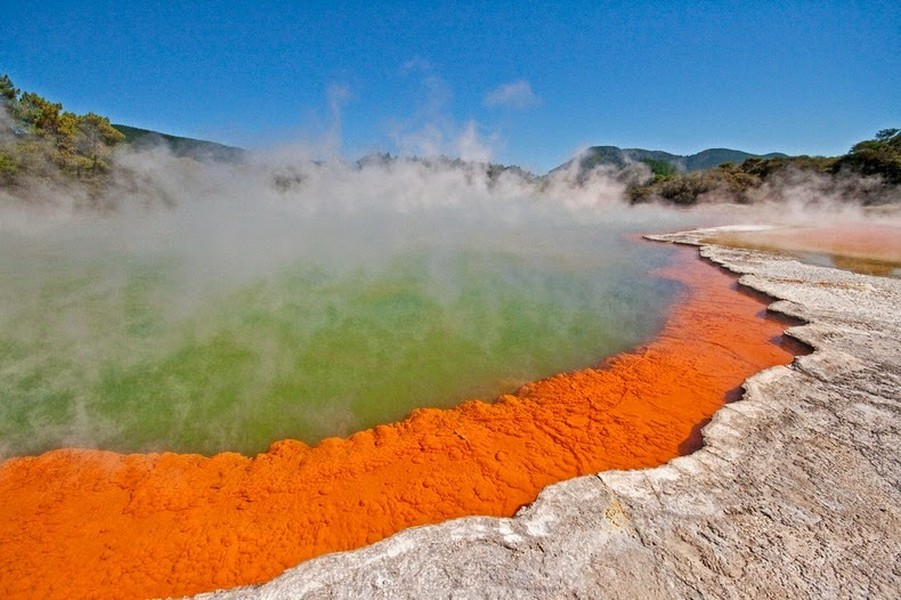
(868,248)
(84,523)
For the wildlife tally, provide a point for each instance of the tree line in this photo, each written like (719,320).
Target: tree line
(870,173)
(38,139)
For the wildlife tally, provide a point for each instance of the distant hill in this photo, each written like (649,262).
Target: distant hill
(619,157)
(181,146)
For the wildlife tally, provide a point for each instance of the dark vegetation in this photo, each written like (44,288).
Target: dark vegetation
(40,143)
(870,173)
(622,157)
(181,147)
(38,140)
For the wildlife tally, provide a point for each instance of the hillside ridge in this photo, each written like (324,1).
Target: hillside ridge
(699,161)
(180,146)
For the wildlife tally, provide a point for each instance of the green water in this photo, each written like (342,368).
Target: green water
(132,352)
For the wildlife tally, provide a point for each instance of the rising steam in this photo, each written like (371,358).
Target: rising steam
(184,288)
(176,290)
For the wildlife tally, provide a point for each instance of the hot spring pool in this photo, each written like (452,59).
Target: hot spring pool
(140,347)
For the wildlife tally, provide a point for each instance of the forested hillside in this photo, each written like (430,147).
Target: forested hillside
(870,173)
(180,146)
(620,157)
(41,144)
(38,139)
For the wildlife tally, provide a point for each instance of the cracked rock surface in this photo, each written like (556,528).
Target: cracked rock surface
(796,492)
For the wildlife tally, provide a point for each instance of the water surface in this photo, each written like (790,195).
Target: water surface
(109,342)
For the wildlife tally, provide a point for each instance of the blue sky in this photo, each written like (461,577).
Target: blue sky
(522,82)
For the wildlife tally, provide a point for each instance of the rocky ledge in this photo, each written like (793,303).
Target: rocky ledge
(796,492)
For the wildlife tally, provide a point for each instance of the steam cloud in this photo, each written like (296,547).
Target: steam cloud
(228,225)
(517,94)
(216,227)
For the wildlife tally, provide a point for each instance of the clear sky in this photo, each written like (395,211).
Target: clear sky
(522,82)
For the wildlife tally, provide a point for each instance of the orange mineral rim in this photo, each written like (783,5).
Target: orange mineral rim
(85,523)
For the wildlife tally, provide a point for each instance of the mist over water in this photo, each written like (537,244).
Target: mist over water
(223,307)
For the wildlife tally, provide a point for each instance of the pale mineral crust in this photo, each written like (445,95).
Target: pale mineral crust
(795,494)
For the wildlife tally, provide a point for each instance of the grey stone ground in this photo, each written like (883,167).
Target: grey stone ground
(796,493)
